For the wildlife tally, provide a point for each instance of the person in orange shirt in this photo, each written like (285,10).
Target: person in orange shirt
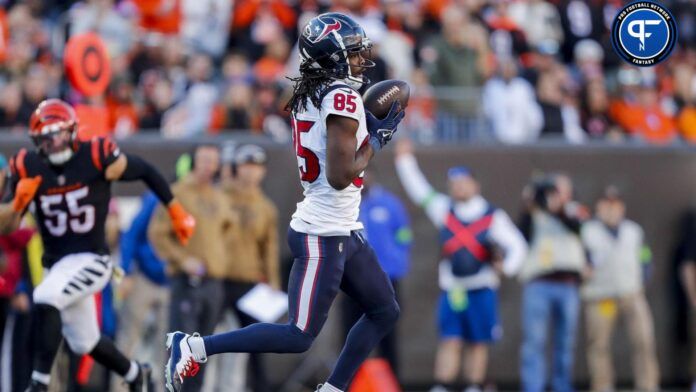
(686,122)
(161,16)
(123,115)
(638,110)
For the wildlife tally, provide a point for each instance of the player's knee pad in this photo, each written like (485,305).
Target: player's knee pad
(83,344)
(386,315)
(44,294)
(299,341)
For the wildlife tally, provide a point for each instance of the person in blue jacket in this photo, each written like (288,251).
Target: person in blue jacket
(387,226)
(135,246)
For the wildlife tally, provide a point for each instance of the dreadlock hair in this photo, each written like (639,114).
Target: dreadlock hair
(308,87)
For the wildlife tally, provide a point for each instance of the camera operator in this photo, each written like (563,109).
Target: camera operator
(551,275)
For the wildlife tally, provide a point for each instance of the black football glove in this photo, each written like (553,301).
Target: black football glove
(381,131)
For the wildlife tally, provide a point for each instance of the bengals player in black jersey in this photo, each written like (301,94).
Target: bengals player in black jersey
(69,183)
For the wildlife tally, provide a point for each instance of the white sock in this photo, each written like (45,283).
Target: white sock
(329,388)
(132,372)
(43,378)
(197,348)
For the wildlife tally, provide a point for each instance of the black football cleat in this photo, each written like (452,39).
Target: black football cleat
(143,383)
(36,386)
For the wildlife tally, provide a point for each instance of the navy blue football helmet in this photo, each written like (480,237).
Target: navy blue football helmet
(326,43)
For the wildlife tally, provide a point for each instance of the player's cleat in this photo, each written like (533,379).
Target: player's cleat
(36,386)
(143,383)
(181,363)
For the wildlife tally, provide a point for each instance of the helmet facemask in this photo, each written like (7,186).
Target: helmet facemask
(56,141)
(360,50)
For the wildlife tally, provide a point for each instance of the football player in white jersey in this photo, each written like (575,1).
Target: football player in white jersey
(334,139)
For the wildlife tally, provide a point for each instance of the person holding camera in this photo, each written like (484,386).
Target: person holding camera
(551,276)
(479,242)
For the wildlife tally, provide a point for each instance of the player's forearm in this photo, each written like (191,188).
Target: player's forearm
(9,219)
(414,182)
(139,169)
(345,165)
(362,159)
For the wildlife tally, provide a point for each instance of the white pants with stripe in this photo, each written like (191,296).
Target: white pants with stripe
(69,286)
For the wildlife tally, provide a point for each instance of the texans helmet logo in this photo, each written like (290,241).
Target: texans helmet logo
(316,32)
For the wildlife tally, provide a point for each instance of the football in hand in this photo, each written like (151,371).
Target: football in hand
(379,97)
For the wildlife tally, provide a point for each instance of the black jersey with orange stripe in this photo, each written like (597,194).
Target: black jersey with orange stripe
(72,202)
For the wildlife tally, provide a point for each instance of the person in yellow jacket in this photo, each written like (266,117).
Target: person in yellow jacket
(253,250)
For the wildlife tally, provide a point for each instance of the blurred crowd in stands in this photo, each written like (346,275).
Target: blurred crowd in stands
(513,71)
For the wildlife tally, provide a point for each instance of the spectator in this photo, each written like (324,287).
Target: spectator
(205,25)
(462,45)
(551,276)
(10,115)
(387,226)
(256,23)
(159,16)
(103,18)
(510,106)
(543,59)
(35,90)
(469,272)
(580,20)
(684,97)
(402,22)
(561,121)
(198,268)
(159,98)
(236,111)
(123,115)
(236,69)
(619,255)
(271,117)
(642,116)
(595,119)
(506,38)
(271,67)
(420,115)
(253,250)
(191,116)
(539,20)
(588,55)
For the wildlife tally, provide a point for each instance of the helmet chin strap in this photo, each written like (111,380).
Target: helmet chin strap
(354,82)
(60,158)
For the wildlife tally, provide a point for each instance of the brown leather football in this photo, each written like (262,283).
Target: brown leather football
(380,96)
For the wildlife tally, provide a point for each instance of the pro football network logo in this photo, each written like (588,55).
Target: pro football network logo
(644,33)
(320,29)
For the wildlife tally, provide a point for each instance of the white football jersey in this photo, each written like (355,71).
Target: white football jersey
(325,210)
